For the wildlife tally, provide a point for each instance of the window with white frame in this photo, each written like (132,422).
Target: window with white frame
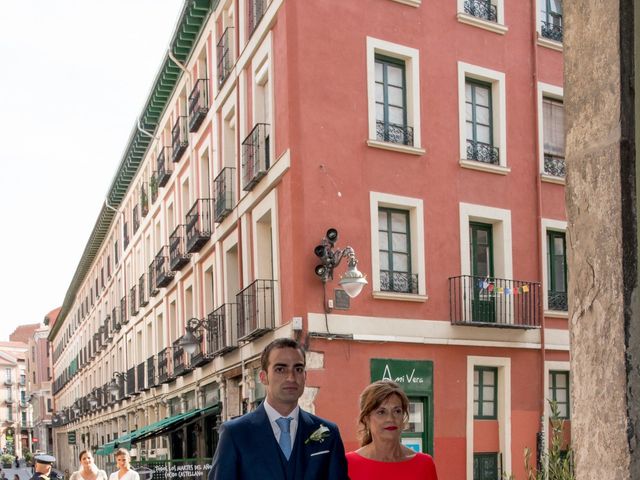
(559,392)
(397,247)
(553,132)
(482,118)
(551,19)
(487,14)
(393,96)
(554,250)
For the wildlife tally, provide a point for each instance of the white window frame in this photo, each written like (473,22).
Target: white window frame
(411,58)
(550,366)
(543,41)
(499,27)
(414,206)
(556,226)
(411,3)
(499,112)
(504,408)
(546,90)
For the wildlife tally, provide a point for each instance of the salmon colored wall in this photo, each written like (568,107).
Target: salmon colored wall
(485,436)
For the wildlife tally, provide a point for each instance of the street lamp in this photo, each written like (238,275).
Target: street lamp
(191,340)
(92,398)
(353,280)
(76,407)
(114,385)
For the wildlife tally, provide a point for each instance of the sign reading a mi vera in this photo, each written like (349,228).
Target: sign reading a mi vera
(414,376)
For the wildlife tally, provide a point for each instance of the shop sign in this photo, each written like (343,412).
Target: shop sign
(71,437)
(414,376)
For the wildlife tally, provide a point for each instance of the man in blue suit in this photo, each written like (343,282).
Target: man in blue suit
(279,440)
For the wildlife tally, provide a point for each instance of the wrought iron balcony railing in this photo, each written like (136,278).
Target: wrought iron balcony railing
(225,55)
(198,226)
(151,371)
(223,335)
(153,186)
(552,30)
(401,282)
(131,381)
(163,169)
(256,309)
(483,9)
(115,320)
(136,219)
(256,12)
(483,152)
(198,103)
(554,165)
(153,289)
(108,329)
(133,301)
(143,300)
(255,156)
(180,366)
(164,371)
(179,138)
(198,357)
(141,374)
(178,256)
(162,273)
(144,200)
(494,302)
(557,301)
(223,194)
(124,314)
(390,132)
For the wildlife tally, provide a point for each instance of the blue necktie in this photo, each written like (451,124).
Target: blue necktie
(285,435)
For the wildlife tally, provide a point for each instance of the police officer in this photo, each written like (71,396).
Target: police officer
(43,467)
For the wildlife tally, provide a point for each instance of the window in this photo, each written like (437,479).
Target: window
(485,466)
(551,19)
(559,392)
(484,9)
(395,251)
(553,131)
(486,14)
(557,270)
(7,373)
(479,122)
(10,414)
(49,406)
(24,419)
(391,102)
(485,393)
(9,395)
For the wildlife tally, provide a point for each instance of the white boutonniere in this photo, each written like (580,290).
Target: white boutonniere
(318,435)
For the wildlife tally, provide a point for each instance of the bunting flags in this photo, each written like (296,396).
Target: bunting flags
(490,287)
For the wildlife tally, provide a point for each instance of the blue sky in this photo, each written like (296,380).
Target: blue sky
(73,79)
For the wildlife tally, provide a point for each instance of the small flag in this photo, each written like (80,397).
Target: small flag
(525,288)
(491,287)
(507,291)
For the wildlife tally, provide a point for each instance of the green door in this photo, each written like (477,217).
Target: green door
(483,305)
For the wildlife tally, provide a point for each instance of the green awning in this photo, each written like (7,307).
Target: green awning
(155,429)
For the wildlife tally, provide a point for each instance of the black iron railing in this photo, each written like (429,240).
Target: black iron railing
(151,371)
(401,282)
(552,30)
(557,301)
(256,309)
(179,138)
(198,103)
(178,256)
(131,381)
(162,273)
(225,55)
(554,165)
(223,336)
(136,219)
(133,301)
(141,377)
(108,330)
(151,281)
(483,152)
(198,226)
(223,194)
(124,314)
(163,169)
(164,373)
(153,186)
(144,200)
(255,156)
(483,9)
(143,300)
(179,362)
(256,12)
(115,319)
(390,132)
(494,302)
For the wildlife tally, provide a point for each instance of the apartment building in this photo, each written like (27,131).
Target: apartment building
(15,420)
(428,135)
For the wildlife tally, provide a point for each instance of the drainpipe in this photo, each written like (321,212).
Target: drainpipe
(144,132)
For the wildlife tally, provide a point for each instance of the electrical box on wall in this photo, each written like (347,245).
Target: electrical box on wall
(297,323)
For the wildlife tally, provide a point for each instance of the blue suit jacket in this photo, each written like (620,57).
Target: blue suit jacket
(247,450)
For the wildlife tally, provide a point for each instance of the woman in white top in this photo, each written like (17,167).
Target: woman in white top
(88,469)
(124,471)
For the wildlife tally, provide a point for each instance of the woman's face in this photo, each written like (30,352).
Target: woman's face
(387,420)
(86,460)
(122,461)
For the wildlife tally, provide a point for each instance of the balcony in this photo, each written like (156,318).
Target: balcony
(483,9)
(178,256)
(392,133)
(222,338)
(401,282)
(143,301)
(225,56)
(256,12)
(179,138)
(151,371)
(124,315)
(199,357)
(163,171)
(141,374)
(552,29)
(24,404)
(223,194)
(144,200)
(153,290)
(115,322)
(9,401)
(8,381)
(256,309)
(255,156)
(557,301)
(164,374)
(554,165)
(153,187)
(198,226)
(494,302)
(483,152)
(97,341)
(180,366)
(108,331)
(136,219)
(133,301)
(163,275)
(198,103)
(131,382)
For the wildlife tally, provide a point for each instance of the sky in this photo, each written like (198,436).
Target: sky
(74,77)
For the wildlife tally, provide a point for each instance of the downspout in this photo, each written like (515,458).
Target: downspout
(144,132)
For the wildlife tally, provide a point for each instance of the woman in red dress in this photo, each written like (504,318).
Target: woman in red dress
(384,413)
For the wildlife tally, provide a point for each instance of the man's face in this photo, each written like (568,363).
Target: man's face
(284,379)
(43,468)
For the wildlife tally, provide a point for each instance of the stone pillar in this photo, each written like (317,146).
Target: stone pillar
(602,238)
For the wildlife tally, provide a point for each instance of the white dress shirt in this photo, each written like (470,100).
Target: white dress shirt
(273,415)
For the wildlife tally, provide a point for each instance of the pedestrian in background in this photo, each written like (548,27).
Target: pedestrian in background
(88,469)
(124,472)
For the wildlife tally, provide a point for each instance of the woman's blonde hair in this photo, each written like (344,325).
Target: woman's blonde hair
(371,398)
(123,451)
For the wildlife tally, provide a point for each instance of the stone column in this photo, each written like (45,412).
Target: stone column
(602,238)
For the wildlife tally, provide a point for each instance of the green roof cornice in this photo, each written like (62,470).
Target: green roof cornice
(188,29)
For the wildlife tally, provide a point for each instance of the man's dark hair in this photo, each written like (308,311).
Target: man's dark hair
(280,343)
